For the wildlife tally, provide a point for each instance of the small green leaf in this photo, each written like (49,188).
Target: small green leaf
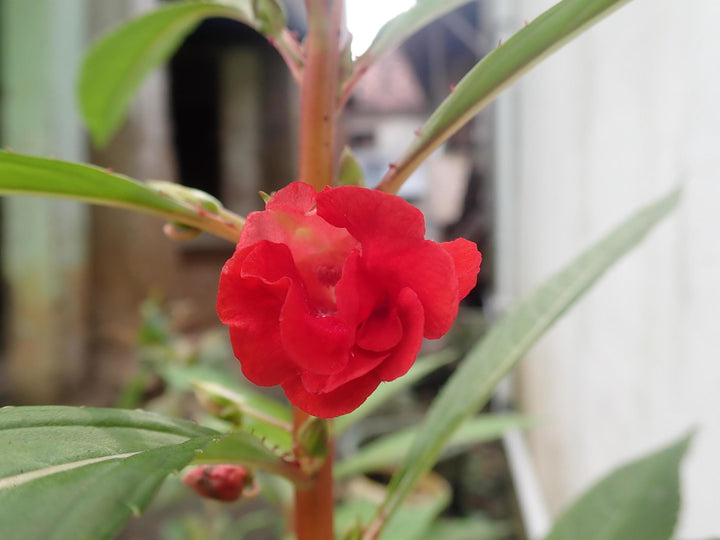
(27,175)
(639,501)
(494,73)
(386,391)
(496,354)
(351,174)
(389,451)
(118,63)
(270,16)
(241,448)
(313,436)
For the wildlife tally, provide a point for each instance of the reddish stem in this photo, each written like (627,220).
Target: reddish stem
(314,504)
(318,91)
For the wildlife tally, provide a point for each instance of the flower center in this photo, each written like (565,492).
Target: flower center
(328,275)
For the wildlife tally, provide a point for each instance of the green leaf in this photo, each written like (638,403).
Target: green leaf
(72,473)
(386,391)
(398,29)
(351,174)
(261,415)
(90,501)
(389,451)
(496,354)
(27,175)
(75,472)
(241,448)
(494,73)
(639,501)
(270,16)
(35,437)
(118,63)
(467,529)
(410,523)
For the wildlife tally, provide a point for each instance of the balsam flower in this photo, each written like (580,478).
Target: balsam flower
(329,294)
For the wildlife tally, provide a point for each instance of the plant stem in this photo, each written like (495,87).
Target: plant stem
(314,504)
(318,91)
(319,87)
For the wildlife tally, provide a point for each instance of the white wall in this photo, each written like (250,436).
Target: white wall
(609,123)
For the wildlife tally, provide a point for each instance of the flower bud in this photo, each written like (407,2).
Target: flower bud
(215,400)
(219,482)
(180,232)
(313,437)
(187,195)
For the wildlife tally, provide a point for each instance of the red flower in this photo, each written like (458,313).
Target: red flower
(328,294)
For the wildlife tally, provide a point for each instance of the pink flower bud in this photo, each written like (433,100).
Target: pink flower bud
(219,482)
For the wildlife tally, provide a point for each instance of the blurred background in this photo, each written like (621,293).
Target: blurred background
(617,118)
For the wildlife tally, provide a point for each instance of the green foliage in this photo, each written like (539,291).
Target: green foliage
(241,448)
(388,451)
(397,30)
(493,357)
(386,391)
(81,472)
(270,16)
(117,64)
(410,523)
(90,501)
(351,174)
(639,501)
(26,175)
(494,73)
(466,529)
(258,414)
(74,472)
(198,371)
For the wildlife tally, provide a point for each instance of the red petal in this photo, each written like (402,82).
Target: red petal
(371,216)
(262,359)
(268,262)
(315,342)
(251,308)
(410,312)
(343,400)
(467,261)
(360,363)
(318,248)
(381,331)
(427,269)
(297,197)
(356,292)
